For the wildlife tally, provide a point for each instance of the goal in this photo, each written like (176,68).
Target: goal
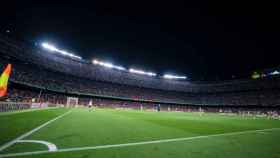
(72,102)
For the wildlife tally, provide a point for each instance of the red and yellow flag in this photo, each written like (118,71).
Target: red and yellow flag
(4,80)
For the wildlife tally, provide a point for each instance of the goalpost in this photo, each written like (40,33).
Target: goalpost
(72,102)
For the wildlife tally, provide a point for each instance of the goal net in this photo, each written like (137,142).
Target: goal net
(72,102)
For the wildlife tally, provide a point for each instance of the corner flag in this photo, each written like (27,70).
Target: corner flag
(4,80)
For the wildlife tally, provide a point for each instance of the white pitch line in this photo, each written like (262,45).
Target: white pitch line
(5,146)
(134,144)
(27,110)
(51,146)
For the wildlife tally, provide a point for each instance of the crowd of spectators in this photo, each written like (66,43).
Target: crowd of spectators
(32,75)
(32,95)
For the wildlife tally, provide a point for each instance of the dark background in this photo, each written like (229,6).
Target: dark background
(204,40)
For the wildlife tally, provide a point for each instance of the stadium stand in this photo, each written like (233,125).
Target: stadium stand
(48,77)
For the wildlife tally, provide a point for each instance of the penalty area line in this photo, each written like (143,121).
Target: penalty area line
(5,146)
(135,144)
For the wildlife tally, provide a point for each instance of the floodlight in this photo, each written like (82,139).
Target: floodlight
(142,72)
(275,72)
(108,65)
(54,49)
(168,76)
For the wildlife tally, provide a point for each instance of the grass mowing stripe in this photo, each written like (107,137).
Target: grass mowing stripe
(31,132)
(136,143)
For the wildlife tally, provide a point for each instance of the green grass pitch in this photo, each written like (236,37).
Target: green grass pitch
(111,133)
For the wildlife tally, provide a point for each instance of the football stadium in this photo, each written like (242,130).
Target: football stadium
(57,110)
(57,104)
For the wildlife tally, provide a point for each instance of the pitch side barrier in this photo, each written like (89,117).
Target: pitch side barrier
(14,106)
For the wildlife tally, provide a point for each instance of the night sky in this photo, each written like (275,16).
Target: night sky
(204,40)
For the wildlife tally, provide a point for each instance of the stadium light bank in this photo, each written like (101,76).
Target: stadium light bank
(108,65)
(168,76)
(275,73)
(142,72)
(54,49)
